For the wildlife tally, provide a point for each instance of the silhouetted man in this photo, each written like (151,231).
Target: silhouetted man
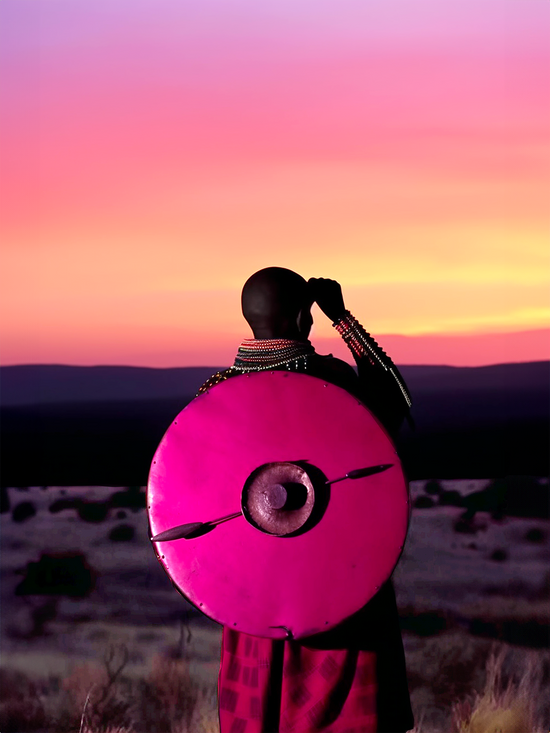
(351,678)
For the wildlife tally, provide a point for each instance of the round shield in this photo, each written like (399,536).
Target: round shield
(277,504)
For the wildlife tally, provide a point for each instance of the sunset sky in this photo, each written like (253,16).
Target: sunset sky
(155,153)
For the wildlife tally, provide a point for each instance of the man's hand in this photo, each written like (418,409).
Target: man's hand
(328,296)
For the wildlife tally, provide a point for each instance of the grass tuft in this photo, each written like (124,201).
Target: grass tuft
(504,706)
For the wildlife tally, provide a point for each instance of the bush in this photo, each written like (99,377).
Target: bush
(122,533)
(23,511)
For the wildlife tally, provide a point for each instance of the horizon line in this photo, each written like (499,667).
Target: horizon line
(218,367)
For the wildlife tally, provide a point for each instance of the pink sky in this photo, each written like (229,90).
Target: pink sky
(156,154)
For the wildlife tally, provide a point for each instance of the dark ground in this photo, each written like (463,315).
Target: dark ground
(470,422)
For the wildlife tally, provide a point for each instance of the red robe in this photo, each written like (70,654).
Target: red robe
(348,680)
(351,679)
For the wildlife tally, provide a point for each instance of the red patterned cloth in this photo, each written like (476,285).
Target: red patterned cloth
(348,680)
(332,691)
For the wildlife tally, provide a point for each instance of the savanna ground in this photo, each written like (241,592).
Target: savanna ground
(96,696)
(110,647)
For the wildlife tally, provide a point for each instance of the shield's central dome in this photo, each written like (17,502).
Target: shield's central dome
(278,498)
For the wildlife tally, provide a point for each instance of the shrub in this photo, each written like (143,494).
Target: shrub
(23,511)
(122,533)
(95,696)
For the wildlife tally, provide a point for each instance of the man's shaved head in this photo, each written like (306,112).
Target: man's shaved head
(273,299)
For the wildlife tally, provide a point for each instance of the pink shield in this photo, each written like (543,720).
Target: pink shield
(302,554)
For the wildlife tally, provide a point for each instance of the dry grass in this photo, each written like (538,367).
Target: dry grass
(503,706)
(169,700)
(453,674)
(99,698)
(21,707)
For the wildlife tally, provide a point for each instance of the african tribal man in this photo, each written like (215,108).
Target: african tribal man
(352,678)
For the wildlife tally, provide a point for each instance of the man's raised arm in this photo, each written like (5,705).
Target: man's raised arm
(383,389)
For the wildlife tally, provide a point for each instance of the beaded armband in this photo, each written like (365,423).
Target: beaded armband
(363,345)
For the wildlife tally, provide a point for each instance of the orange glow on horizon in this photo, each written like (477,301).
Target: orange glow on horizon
(146,175)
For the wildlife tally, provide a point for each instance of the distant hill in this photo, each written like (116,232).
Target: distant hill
(101,425)
(34,384)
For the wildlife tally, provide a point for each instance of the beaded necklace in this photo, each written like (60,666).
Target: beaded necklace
(259,354)
(256,355)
